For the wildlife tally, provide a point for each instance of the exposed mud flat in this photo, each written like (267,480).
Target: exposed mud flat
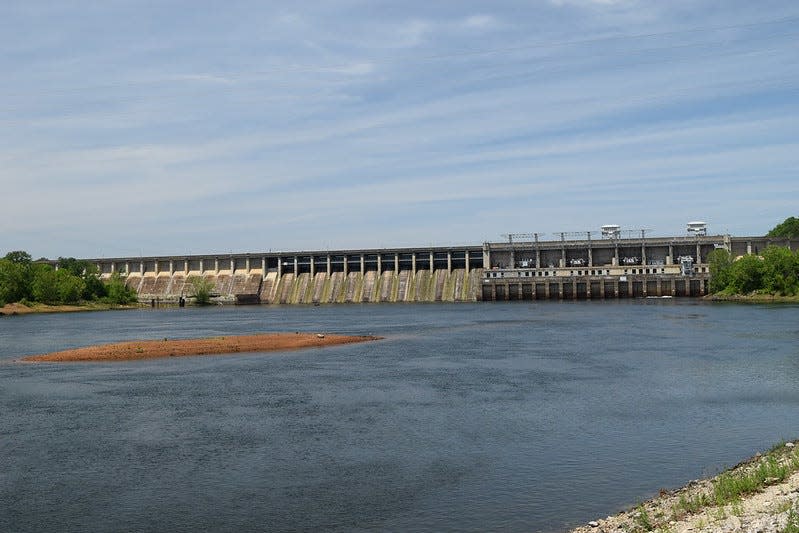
(151,349)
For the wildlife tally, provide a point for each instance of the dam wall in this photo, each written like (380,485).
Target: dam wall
(456,285)
(521,270)
(353,276)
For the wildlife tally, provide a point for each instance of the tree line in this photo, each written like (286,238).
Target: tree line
(775,271)
(27,281)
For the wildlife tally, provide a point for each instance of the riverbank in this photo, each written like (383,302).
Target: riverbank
(20,309)
(760,494)
(753,298)
(151,349)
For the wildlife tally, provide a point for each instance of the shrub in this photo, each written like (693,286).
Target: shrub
(201,288)
(119,293)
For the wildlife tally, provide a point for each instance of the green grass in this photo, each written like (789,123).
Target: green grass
(692,504)
(643,520)
(730,486)
(793,523)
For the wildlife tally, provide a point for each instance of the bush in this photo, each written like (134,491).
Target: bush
(119,293)
(44,287)
(780,271)
(56,286)
(93,286)
(15,277)
(720,262)
(201,288)
(775,272)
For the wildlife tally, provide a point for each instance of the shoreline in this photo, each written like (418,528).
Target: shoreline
(16,309)
(760,494)
(153,349)
(753,298)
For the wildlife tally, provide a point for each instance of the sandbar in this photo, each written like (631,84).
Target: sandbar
(151,349)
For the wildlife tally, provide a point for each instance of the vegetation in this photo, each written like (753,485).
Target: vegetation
(792,526)
(789,228)
(201,288)
(643,520)
(26,281)
(724,495)
(775,271)
(729,487)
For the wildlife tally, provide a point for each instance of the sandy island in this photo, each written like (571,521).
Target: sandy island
(268,342)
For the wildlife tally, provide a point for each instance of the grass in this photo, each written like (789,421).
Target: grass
(643,520)
(793,523)
(691,504)
(729,487)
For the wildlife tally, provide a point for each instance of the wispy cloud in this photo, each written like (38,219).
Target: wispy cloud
(324,127)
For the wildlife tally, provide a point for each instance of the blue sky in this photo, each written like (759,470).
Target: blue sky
(163,127)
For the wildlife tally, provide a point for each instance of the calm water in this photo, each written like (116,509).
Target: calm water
(501,417)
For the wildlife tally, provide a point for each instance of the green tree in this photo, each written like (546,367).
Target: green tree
(56,286)
(44,287)
(720,262)
(746,275)
(788,228)
(14,281)
(780,270)
(70,288)
(119,293)
(15,276)
(201,288)
(93,285)
(19,257)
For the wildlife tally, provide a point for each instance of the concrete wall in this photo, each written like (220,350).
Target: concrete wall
(594,287)
(441,285)
(434,274)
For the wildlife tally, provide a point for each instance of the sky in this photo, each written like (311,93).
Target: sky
(140,128)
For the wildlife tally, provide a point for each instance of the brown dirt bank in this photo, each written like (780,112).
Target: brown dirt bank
(268,342)
(20,309)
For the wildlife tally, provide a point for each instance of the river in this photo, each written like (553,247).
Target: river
(520,416)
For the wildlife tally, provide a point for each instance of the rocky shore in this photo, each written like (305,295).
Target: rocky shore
(149,349)
(760,495)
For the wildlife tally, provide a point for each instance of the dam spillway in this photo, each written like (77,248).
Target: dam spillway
(364,276)
(527,270)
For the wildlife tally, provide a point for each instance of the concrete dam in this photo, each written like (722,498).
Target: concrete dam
(366,276)
(605,268)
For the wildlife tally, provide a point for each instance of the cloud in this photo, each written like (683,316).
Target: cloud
(413,33)
(355,127)
(591,2)
(480,22)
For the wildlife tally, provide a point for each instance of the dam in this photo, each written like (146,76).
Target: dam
(349,276)
(525,267)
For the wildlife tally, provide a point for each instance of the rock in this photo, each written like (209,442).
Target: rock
(789,444)
(593,523)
